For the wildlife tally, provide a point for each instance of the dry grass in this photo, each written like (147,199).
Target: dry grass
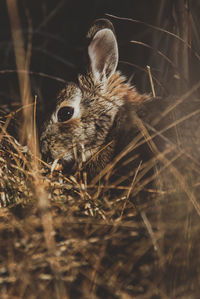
(61,237)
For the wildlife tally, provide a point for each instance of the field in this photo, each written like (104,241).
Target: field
(64,236)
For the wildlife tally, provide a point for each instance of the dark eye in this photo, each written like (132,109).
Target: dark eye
(65,113)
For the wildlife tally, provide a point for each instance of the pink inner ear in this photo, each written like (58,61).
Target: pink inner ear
(103,54)
(97,55)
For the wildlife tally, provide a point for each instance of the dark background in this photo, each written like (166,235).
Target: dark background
(57,30)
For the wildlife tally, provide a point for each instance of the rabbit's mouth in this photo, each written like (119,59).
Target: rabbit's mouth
(68,167)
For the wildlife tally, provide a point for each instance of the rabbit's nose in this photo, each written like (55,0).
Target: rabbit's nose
(69,168)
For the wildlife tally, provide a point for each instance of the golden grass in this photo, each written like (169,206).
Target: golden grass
(62,237)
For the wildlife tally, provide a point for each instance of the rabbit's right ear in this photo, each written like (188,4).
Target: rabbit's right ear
(103,54)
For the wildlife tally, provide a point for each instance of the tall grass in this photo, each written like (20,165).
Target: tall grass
(64,237)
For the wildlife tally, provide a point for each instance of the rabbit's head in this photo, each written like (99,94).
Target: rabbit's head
(83,127)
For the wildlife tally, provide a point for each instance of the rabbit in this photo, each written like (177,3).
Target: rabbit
(92,119)
(100,114)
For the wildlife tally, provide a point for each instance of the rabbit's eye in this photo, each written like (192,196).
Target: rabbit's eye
(65,113)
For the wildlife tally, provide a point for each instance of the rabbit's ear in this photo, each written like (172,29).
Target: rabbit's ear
(103,54)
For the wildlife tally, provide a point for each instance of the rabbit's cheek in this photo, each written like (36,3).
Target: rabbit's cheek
(68,127)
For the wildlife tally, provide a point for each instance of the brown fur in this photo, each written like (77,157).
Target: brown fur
(102,107)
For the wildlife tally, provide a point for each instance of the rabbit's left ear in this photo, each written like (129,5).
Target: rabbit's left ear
(103,54)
